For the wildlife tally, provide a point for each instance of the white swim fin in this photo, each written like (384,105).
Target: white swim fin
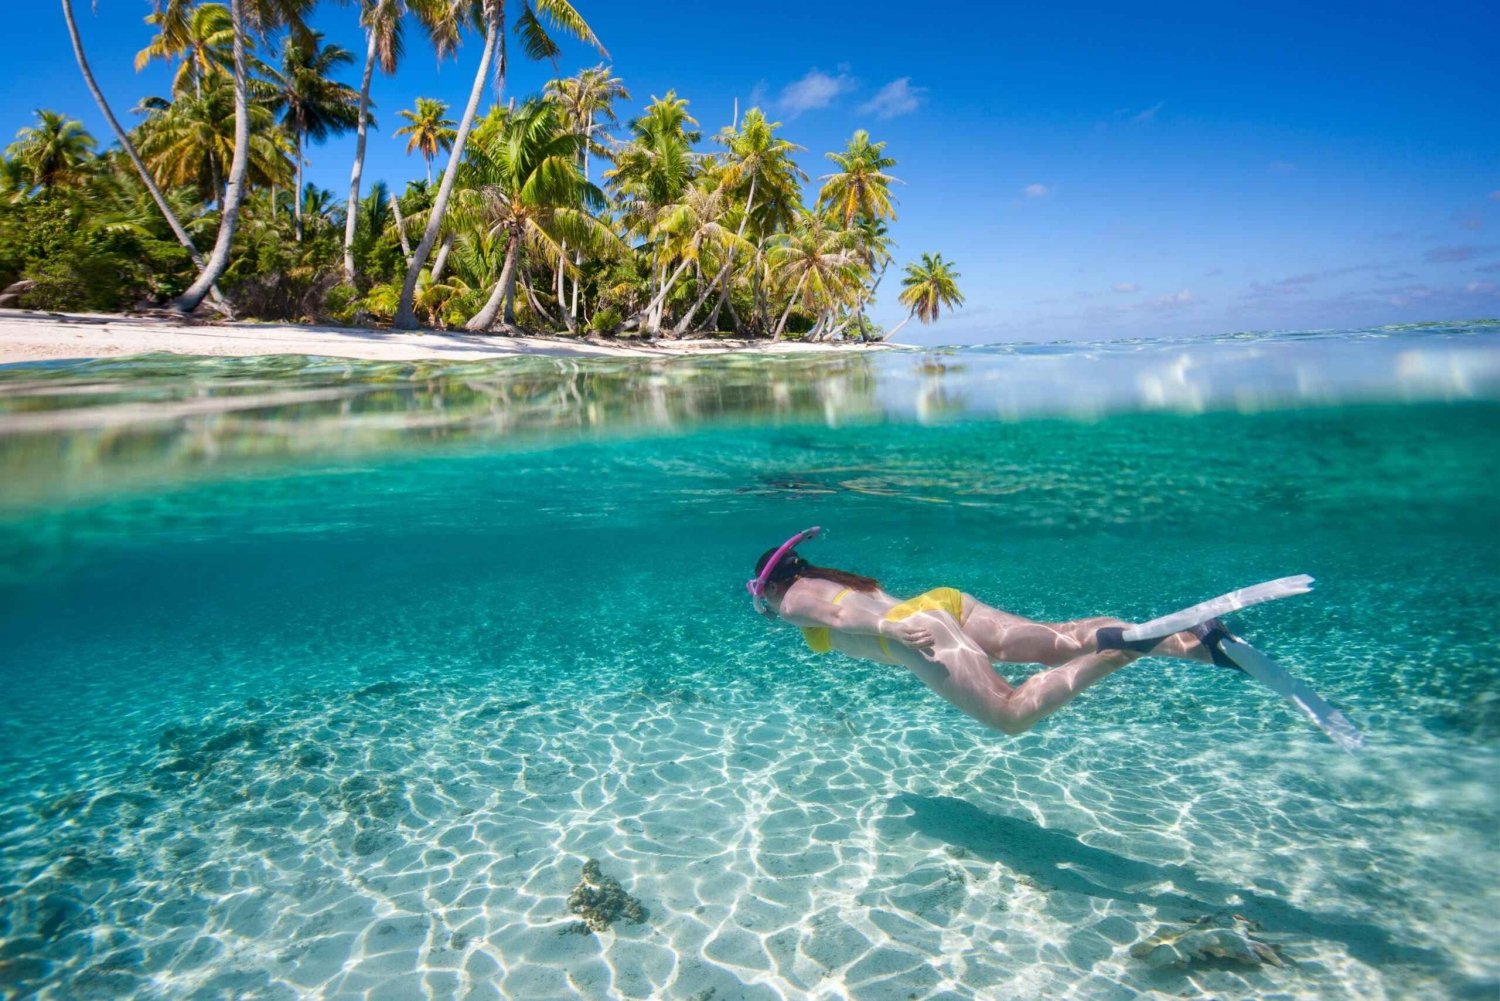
(1187,618)
(1271,674)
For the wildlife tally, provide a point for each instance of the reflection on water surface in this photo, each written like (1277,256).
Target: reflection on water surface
(83,427)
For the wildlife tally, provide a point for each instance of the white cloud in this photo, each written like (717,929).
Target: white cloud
(758,95)
(1149,115)
(1282,166)
(1480,288)
(1182,297)
(1127,287)
(898,97)
(815,90)
(1036,191)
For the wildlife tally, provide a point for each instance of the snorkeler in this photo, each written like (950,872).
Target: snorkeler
(951,640)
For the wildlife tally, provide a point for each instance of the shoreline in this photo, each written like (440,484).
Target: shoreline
(32,336)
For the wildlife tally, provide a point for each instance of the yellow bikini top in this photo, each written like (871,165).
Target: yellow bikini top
(939,599)
(817,636)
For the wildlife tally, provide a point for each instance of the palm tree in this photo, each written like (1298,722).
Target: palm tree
(55,150)
(201,36)
(820,265)
(315,203)
(430,132)
(587,101)
(873,246)
(528,188)
(382,23)
(313,107)
(759,164)
(245,16)
(694,230)
(755,158)
(135,158)
(860,189)
(657,164)
(652,172)
(445,19)
(15,181)
(119,207)
(192,141)
(926,288)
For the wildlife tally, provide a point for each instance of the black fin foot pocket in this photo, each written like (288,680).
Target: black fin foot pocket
(1212,635)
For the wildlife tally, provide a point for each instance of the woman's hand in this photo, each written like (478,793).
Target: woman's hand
(908,632)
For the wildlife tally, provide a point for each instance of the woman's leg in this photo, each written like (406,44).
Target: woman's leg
(1012,639)
(958,670)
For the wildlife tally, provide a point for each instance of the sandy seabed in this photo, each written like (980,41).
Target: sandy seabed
(27,336)
(420,841)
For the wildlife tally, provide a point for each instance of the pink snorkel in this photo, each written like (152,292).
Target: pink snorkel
(757,587)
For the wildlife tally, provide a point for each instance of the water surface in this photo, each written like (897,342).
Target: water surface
(324,679)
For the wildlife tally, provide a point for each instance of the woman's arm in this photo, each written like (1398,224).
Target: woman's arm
(850,616)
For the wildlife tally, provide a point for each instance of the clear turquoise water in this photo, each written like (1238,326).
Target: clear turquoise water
(332,696)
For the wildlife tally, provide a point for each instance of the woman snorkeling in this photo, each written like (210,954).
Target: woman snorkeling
(950,640)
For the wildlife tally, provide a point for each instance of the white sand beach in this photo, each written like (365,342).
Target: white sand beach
(28,336)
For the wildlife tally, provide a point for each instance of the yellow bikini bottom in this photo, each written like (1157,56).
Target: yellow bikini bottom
(939,599)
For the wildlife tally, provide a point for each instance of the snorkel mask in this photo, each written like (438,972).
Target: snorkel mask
(757,587)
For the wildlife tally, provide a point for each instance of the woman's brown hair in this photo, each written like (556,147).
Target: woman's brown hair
(793,567)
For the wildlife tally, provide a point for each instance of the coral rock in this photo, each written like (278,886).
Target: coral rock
(1208,940)
(600,900)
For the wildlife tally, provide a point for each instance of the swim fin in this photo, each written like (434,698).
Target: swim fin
(1271,674)
(1255,594)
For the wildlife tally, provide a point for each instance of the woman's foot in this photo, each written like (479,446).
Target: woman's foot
(1185,645)
(1211,636)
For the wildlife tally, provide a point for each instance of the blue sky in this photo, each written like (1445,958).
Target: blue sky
(1094,170)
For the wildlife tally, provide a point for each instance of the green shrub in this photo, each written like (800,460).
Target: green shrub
(606,321)
(81,277)
(382,300)
(341,304)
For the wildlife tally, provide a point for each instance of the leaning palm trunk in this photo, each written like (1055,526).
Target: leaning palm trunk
(712,323)
(762,318)
(835,330)
(825,326)
(562,290)
(441,260)
(504,288)
(234,191)
(653,309)
(708,290)
(352,212)
(858,314)
(508,315)
(297,201)
(535,303)
(865,297)
(577,278)
(787,315)
(892,332)
(406,319)
(400,227)
(739,235)
(135,158)
(588,132)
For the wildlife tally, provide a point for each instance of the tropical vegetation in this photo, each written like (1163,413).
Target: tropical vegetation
(555,212)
